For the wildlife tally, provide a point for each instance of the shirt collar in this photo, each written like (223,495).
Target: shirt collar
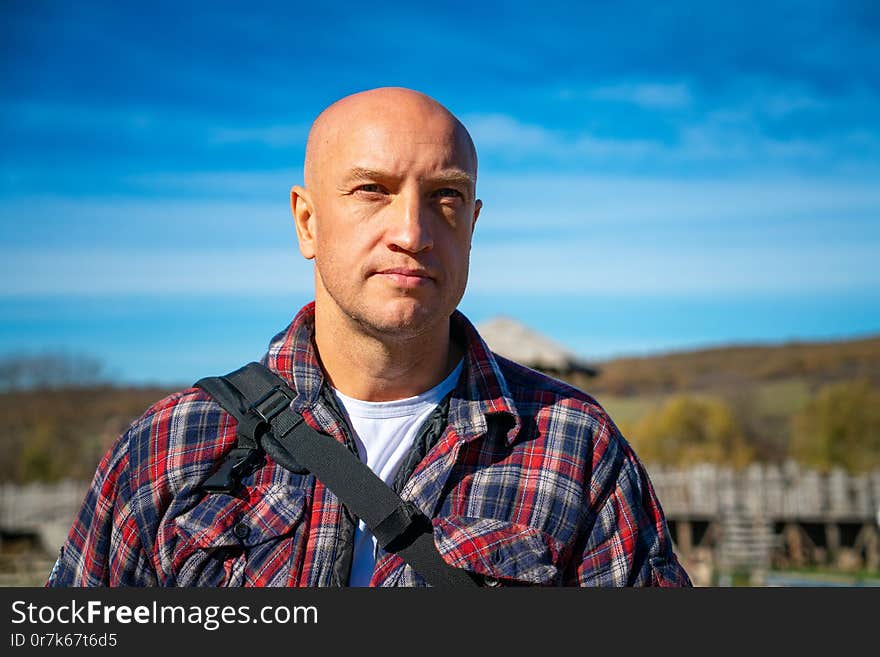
(481,392)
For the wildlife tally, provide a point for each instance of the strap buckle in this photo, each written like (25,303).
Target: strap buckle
(272,409)
(237,464)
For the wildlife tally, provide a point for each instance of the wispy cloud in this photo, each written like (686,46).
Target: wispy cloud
(610,267)
(88,120)
(151,224)
(646,95)
(585,202)
(243,184)
(55,271)
(274,136)
(504,135)
(82,115)
(618,158)
(782,103)
(603,265)
(730,138)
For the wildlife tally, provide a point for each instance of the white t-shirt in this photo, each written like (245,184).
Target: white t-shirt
(384,433)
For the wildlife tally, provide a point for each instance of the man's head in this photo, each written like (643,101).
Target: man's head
(388,210)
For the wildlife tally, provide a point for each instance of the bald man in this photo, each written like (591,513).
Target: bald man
(526,480)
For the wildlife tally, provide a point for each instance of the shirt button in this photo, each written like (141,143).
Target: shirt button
(491,581)
(241,530)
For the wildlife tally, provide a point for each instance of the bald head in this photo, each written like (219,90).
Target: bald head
(387,214)
(406,113)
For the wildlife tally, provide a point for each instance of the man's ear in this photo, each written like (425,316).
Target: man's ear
(477,207)
(304,219)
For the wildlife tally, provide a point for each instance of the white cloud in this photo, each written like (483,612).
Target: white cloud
(254,271)
(572,201)
(615,262)
(244,183)
(507,136)
(567,233)
(608,266)
(143,120)
(737,127)
(784,103)
(275,136)
(80,116)
(499,131)
(727,138)
(148,223)
(646,94)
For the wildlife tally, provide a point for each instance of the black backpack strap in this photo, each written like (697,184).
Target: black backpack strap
(262,400)
(246,455)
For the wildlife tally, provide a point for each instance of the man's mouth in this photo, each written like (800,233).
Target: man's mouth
(405,276)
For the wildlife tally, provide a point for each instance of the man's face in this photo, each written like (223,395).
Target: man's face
(392,210)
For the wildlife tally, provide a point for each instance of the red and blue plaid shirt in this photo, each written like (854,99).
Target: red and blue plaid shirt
(528,482)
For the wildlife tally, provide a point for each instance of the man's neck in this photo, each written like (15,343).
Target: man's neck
(383,368)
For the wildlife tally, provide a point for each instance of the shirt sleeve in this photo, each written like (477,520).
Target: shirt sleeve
(628,541)
(103,547)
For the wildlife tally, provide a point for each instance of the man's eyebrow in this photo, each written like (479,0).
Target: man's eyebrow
(450,176)
(360,173)
(454,176)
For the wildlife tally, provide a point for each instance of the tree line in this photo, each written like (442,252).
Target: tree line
(818,404)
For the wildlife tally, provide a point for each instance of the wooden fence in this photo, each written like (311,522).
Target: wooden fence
(787,492)
(772,515)
(27,508)
(746,519)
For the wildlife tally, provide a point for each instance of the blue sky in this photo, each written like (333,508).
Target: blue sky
(655,175)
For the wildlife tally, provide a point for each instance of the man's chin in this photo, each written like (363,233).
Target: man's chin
(402,321)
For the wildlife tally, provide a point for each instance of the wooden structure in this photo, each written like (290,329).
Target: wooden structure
(723,521)
(34,521)
(25,508)
(771,516)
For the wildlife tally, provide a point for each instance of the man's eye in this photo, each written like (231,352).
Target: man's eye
(371,188)
(448,192)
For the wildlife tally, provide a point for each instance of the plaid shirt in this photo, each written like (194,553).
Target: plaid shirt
(528,481)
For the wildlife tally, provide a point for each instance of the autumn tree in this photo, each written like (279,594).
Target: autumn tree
(840,426)
(688,430)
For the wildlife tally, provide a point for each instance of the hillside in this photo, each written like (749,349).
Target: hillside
(722,369)
(50,434)
(817,402)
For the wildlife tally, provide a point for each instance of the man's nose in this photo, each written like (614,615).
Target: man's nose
(410,226)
